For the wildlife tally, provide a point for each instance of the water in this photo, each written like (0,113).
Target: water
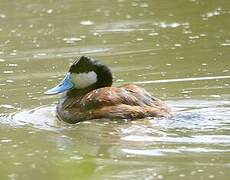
(177,50)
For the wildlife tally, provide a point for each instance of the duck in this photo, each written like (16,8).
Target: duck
(88,94)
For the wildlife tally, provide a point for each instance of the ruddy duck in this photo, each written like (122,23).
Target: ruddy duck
(89,95)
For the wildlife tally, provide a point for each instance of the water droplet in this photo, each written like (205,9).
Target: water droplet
(71,40)
(17,163)
(3,16)
(177,45)
(86,23)
(8,72)
(182,175)
(153,34)
(9,81)
(49,11)
(160,177)
(193,37)
(139,39)
(167,25)
(225,44)
(6,140)
(12,65)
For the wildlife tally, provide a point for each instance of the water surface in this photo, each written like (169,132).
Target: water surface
(177,50)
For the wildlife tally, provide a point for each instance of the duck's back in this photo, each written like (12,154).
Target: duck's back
(124,102)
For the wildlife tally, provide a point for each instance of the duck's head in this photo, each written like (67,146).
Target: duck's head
(84,73)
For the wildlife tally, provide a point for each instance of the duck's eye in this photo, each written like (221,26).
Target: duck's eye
(83,80)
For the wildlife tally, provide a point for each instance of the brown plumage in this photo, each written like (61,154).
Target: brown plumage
(125,102)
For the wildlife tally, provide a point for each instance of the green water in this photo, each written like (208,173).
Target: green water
(178,50)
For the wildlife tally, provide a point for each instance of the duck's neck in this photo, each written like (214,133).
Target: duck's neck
(70,99)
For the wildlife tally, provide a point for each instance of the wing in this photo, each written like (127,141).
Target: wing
(113,96)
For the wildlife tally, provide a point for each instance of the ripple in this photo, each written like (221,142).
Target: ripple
(164,151)
(66,52)
(131,26)
(41,118)
(183,79)
(203,139)
(199,123)
(7,106)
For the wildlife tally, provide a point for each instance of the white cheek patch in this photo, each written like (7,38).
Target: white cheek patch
(83,80)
